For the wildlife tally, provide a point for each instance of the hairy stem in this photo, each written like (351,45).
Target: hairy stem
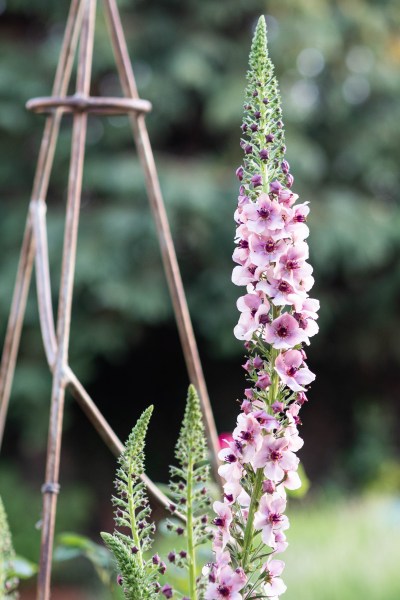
(248,534)
(190,540)
(132,514)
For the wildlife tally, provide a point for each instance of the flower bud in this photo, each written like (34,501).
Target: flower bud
(268,486)
(256,180)
(239,173)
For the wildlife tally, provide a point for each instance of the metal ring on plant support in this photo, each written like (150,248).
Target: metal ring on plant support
(91,104)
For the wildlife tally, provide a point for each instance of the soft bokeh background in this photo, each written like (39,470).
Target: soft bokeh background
(338,64)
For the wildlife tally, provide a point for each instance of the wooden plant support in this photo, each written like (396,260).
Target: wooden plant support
(80,31)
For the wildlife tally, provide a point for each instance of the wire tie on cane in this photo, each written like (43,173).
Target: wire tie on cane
(50,488)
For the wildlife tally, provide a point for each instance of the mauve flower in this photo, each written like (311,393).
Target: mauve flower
(244,275)
(227,586)
(309,326)
(266,421)
(280,542)
(292,371)
(273,585)
(269,137)
(287,197)
(297,224)
(263,215)
(280,291)
(270,518)
(290,261)
(223,520)
(264,154)
(254,312)
(248,433)
(275,458)
(263,250)
(292,480)
(284,332)
(232,470)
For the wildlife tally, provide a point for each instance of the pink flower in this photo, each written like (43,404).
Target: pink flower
(280,291)
(232,470)
(297,224)
(227,586)
(248,433)
(273,585)
(224,439)
(223,521)
(270,518)
(264,250)
(292,480)
(254,311)
(284,332)
(289,367)
(287,197)
(267,422)
(244,275)
(291,261)
(275,458)
(280,542)
(263,215)
(308,325)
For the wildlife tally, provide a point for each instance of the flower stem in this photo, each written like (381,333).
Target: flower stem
(190,541)
(132,514)
(248,534)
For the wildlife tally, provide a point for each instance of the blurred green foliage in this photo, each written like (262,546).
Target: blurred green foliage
(338,63)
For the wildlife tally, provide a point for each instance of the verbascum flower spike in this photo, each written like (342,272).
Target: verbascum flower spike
(277,318)
(138,575)
(8,581)
(189,490)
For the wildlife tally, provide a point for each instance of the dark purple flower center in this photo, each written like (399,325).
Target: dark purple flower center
(253,312)
(275,455)
(270,246)
(291,371)
(282,331)
(252,269)
(224,591)
(247,436)
(291,264)
(300,218)
(284,287)
(264,213)
(243,244)
(274,518)
(231,458)
(219,521)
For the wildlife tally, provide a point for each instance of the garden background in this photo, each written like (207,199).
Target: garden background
(338,65)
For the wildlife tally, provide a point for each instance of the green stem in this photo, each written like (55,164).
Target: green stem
(190,540)
(132,514)
(248,534)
